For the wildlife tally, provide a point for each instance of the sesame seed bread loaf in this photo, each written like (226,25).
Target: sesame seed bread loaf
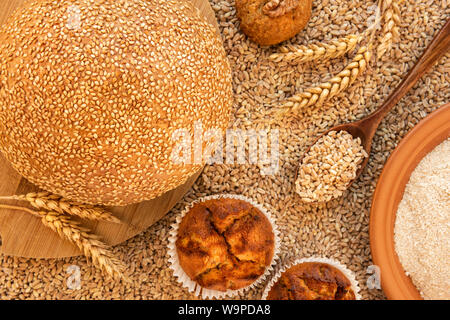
(91,93)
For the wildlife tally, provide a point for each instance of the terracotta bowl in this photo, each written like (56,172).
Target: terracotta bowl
(422,139)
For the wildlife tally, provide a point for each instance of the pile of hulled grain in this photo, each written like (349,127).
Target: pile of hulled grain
(329,166)
(422,225)
(337,229)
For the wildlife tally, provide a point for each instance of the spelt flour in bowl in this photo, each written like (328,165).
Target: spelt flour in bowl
(422,226)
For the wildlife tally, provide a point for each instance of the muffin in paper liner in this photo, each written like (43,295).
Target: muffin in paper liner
(193,286)
(347,273)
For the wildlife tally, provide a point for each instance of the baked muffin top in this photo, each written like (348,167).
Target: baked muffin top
(312,281)
(225,244)
(268,22)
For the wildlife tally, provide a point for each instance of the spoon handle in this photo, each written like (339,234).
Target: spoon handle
(438,47)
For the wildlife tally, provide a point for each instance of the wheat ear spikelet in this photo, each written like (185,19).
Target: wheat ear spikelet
(89,244)
(52,202)
(320,51)
(327,90)
(390,29)
(325,51)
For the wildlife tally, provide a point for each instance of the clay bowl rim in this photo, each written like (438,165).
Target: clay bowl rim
(422,139)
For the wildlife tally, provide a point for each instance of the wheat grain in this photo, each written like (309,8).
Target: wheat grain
(327,90)
(319,51)
(52,202)
(390,32)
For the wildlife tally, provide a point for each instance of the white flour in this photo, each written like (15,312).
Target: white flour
(422,226)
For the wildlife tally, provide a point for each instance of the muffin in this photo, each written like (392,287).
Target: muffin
(312,281)
(268,22)
(225,243)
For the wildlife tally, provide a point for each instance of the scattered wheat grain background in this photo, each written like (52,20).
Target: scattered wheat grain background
(338,229)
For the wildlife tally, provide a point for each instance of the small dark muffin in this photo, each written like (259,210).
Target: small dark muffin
(269,22)
(312,281)
(225,244)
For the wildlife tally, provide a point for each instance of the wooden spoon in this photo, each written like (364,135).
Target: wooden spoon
(365,129)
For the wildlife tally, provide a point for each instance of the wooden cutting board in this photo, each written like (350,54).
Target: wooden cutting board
(23,235)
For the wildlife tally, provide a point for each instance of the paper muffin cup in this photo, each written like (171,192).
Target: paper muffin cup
(349,274)
(193,286)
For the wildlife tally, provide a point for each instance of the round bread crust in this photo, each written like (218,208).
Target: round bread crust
(268,29)
(92,92)
(225,244)
(312,281)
